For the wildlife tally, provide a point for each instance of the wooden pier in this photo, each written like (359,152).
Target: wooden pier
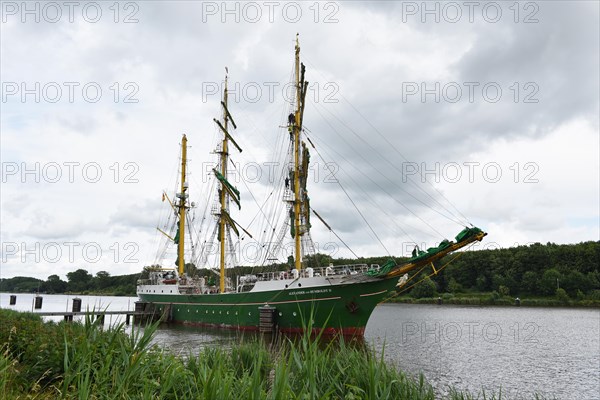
(144,312)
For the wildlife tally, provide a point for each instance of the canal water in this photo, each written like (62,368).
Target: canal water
(554,352)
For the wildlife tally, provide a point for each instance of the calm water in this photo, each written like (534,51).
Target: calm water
(551,351)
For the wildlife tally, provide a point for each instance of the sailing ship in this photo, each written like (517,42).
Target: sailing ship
(331,299)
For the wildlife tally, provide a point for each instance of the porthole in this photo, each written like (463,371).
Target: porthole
(249,313)
(213,311)
(294,313)
(281,314)
(227,312)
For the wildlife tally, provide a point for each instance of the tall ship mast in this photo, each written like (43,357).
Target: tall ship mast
(227,191)
(301,209)
(340,298)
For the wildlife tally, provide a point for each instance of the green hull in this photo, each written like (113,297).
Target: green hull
(343,308)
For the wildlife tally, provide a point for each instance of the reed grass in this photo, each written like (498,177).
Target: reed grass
(84,361)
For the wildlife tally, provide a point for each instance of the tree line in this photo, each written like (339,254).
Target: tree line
(534,270)
(79,281)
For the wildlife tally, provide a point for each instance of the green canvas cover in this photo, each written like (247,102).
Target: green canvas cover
(233,192)
(467,233)
(383,270)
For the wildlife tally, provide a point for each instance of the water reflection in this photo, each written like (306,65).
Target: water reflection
(185,340)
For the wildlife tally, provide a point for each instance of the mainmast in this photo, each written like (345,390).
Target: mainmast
(222,195)
(227,190)
(300,170)
(182,199)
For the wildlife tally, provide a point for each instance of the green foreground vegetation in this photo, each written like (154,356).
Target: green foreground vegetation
(45,360)
(544,275)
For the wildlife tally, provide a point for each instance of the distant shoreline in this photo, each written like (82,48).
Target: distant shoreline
(485,301)
(478,300)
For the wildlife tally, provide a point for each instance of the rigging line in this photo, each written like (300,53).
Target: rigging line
(278,207)
(253,198)
(384,190)
(374,203)
(202,229)
(259,206)
(354,204)
(336,235)
(396,168)
(203,256)
(389,194)
(465,219)
(189,226)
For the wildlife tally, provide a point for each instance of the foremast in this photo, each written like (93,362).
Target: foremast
(182,196)
(227,190)
(300,215)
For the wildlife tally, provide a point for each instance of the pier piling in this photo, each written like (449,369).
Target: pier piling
(76,305)
(38,302)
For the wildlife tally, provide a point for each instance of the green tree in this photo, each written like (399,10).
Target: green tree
(574,281)
(102,280)
(503,290)
(561,295)
(530,282)
(550,281)
(55,285)
(425,288)
(454,287)
(79,280)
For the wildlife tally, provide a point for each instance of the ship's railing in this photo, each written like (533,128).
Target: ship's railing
(332,270)
(347,269)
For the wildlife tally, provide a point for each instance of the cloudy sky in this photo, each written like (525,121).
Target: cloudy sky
(428,115)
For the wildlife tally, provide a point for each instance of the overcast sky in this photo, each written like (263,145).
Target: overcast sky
(433,114)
